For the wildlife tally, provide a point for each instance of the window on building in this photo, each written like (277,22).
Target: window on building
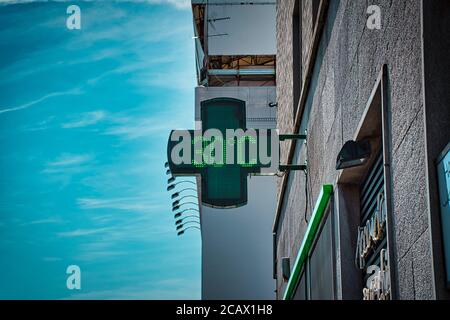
(321,268)
(317,278)
(300,292)
(315,11)
(298,33)
(371,255)
(296,55)
(364,204)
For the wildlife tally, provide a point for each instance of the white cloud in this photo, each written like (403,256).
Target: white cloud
(130,126)
(147,287)
(85,119)
(110,244)
(66,160)
(181,289)
(44,221)
(129,204)
(41,125)
(43,98)
(101,254)
(51,259)
(137,65)
(134,128)
(65,167)
(81,232)
(179,4)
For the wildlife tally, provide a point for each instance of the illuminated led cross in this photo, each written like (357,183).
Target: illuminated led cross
(222,160)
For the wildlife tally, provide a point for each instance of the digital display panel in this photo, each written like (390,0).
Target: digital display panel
(223,160)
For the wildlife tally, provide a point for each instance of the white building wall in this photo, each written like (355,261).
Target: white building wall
(237,246)
(250,30)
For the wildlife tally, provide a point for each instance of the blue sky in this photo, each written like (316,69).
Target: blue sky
(84,119)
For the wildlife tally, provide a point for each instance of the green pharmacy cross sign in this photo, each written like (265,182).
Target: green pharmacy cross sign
(224,152)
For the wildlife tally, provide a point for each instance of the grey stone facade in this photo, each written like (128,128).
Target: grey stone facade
(351,59)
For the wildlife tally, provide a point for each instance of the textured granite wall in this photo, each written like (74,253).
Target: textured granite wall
(352,59)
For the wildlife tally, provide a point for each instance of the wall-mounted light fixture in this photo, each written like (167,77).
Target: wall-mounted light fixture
(175,203)
(178,201)
(182,220)
(353,154)
(175,208)
(178,193)
(183,231)
(182,225)
(172,185)
(179,214)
